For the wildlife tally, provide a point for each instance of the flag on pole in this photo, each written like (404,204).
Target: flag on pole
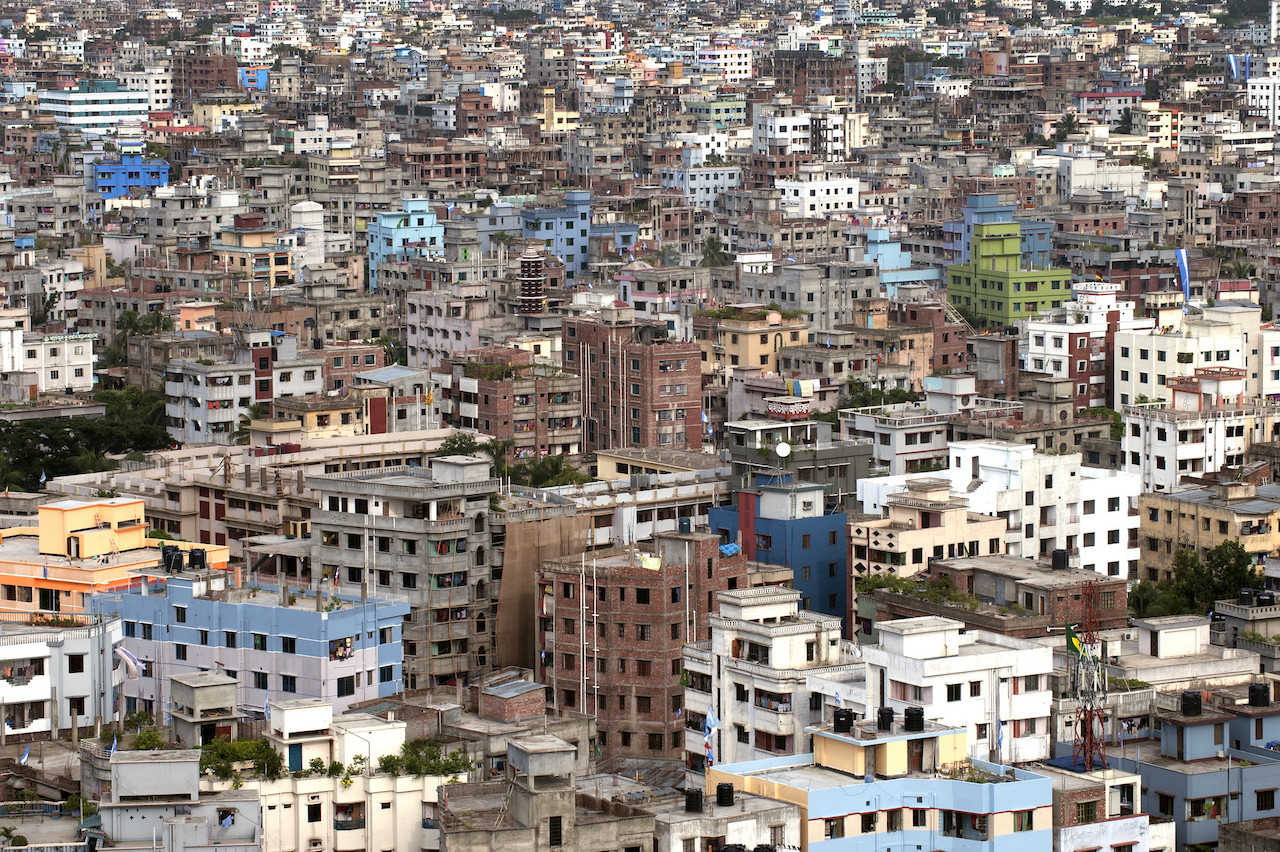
(43,478)
(115,741)
(708,728)
(1073,642)
(25,755)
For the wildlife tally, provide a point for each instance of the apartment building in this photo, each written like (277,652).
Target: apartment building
(95,107)
(411,231)
(1199,519)
(995,287)
(421,534)
(919,524)
(612,626)
(565,227)
(744,335)
(995,687)
(641,388)
(272,642)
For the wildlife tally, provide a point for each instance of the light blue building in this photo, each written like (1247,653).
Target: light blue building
(894,264)
(410,232)
(277,645)
(984,208)
(902,785)
(256,77)
(132,170)
(565,228)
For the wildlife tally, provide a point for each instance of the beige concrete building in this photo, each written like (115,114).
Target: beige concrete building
(752,337)
(923,522)
(1200,519)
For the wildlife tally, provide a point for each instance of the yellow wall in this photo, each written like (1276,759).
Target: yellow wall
(839,754)
(94,525)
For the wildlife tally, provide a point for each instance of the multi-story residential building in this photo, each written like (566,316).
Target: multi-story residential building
(995,287)
(1102,806)
(274,642)
(155,80)
(780,521)
(132,172)
(745,335)
(254,254)
(869,783)
(95,107)
(1199,519)
(43,363)
(1011,595)
(815,454)
(629,676)
(754,673)
(1225,336)
(502,392)
(411,231)
(421,533)
(658,290)
(922,523)
(60,677)
(995,687)
(699,185)
(827,292)
(446,322)
(101,544)
(565,226)
(1208,425)
(1077,340)
(205,401)
(640,388)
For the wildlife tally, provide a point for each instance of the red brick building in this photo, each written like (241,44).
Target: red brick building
(950,339)
(344,361)
(197,72)
(537,407)
(802,73)
(1253,216)
(641,389)
(611,635)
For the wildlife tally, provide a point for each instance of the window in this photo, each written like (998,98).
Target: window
(288,683)
(919,818)
(229,638)
(313,813)
(1024,820)
(1086,812)
(260,680)
(1266,799)
(75,663)
(832,828)
(1164,804)
(180,614)
(179,652)
(953,692)
(288,645)
(894,820)
(346,686)
(869,822)
(204,637)
(555,832)
(642,597)
(260,642)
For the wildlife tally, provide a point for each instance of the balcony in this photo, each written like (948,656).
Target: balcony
(356,824)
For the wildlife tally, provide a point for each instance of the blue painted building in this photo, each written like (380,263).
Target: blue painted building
(869,789)
(277,647)
(894,264)
(256,77)
(1209,763)
(410,232)
(565,228)
(132,170)
(784,522)
(984,208)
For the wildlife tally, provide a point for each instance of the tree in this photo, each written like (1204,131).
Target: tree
(713,253)
(499,451)
(458,444)
(1196,584)
(548,472)
(257,411)
(1125,124)
(1069,125)
(1239,269)
(395,351)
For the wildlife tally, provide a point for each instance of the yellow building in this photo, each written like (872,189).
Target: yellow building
(745,336)
(922,522)
(78,548)
(210,114)
(1200,519)
(622,463)
(556,122)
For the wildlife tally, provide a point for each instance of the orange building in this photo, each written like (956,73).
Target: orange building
(81,547)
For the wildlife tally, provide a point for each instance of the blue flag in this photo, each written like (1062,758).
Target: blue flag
(25,754)
(43,478)
(1184,273)
(115,741)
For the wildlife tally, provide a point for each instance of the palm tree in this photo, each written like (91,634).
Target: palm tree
(548,472)
(499,451)
(257,411)
(1125,124)
(1239,269)
(713,253)
(395,351)
(1069,124)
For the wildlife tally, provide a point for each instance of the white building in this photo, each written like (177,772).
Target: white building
(95,107)
(754,670)
(1226,335)
(57,676)
(700,186)
(155,80)
(818,195)
(62,281)
(730,64)
(1049,502)
(971,679)
(366,807)
(1208,424)
(1262,99)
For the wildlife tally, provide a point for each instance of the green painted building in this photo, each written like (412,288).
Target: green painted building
(993,286)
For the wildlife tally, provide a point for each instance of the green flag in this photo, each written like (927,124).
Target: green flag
(1073,642)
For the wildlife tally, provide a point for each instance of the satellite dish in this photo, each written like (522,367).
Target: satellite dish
(783,450)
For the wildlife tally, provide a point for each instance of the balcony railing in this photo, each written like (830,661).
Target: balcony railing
(349,824)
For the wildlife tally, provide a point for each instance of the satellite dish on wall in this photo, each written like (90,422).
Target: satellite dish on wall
(783,450)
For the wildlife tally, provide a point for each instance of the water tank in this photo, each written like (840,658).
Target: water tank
(884,719)
(1266,598)
(765,847)
(195,558)
(1190,703)
(913,719)
(177,559)
(693,801)
(843,721)
(1246,597)
(724,794)
(686,525)
(1259,695)
(1061,560)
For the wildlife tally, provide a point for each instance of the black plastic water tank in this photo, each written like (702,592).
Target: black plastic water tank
(1266,598)
(843,723)
(884,719)
(1245,598)
(1259,695)
(913,718)
(686,525)
(724,794)
(1061,560)
(1190,703)
(195,558)
(693,801)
